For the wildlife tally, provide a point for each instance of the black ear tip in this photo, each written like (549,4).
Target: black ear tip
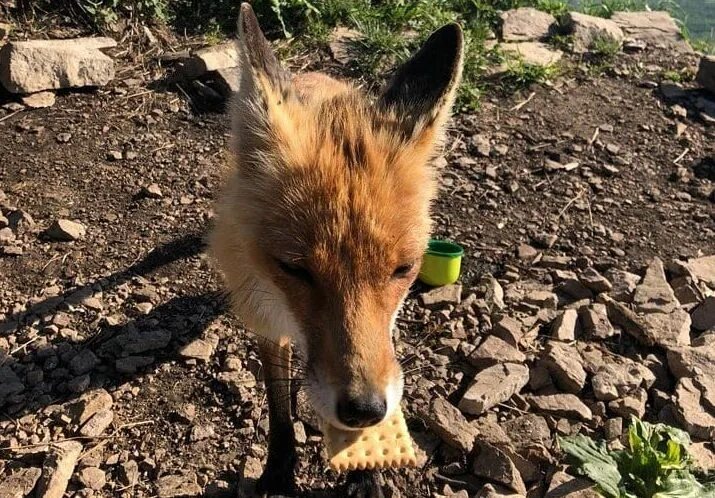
(448,39)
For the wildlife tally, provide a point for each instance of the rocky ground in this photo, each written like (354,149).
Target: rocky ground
(587,211)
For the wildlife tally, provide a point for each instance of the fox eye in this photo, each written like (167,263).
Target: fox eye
(403,270)
(295,271)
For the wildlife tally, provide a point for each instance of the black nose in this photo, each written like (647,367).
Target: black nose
(362,411)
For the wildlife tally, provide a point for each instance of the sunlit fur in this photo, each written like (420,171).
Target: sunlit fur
(325,179)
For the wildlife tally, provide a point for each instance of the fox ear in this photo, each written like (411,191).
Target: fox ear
(422,91)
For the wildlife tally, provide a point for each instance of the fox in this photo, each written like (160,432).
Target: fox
(321,226)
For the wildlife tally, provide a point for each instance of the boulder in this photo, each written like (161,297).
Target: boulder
(526,24)
(37,65)
(706,72)
(587,30)
(533,53)
(656,28)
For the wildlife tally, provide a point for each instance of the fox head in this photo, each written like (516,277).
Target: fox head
(325,218)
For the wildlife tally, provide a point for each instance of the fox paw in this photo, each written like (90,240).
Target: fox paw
(277,481)
(363,484)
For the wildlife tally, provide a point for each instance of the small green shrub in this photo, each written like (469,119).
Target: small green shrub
(605,47)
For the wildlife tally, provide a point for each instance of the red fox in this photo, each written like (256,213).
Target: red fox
(321,228)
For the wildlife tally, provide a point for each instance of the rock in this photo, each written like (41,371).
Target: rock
(237,382)
(632,405)
(57,469)
(704,315)
(9,384)
(595,281)
(84,362)
(624,283)
(5,30)
(564,363)
(573,289)
(212,58)
(90,403)
(447,294)
(526,24)
(619,377)
(563,485)
(63,138)
(561,405)
(528,430)
(493,491)
(526,253)
(186,413)
(494,350)
(693,361)
(534,53)
(564,327)
(131,364)
(508,329)
(657,29)
(445,420)
(613,428)
(703,458)
(92,478)
(703,269)
(492,291)
(654,294)
(39,100)
(128,473)
(20,483)
(199,349)
(595,323)
(65,231)
(587,30)
(493,464)
(114,155)
(178,485)
(340,43)
(706,72)
(135,342)
(152,191)
(96,425)
(541,299)
(692,415)
(65,64)
(492,386)
(227,80)
(201,432)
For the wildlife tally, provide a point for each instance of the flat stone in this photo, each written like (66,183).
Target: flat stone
(491,491)
(341,41)
(92,478)
(613,428)
(65,231)
(624,284)
(563,485)
(128,473)
(207,59)
(595,281)
(492,386)
(526,253)
(619,377)
(587,30)
(493,464)
(447,294)
(565,365)
(528,430)
(178,485)
(653,328)
(445,420)
(84,362)
(693,361)
(91,402)
(564,327)
(39,100)
(57,469)
(65,64)
(631,405)
(573,289)
(561,405)
(494,350)
(654,294)
(534,53)
(20,483)
(199,349)
(657,28)
(693,416)
(542,299)
(526,24)
(227,81)
(508,329)
(595,323)
(135,342)
(703,269)
(704,315)
(492,291)
(99,423)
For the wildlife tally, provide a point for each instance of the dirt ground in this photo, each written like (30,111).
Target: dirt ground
(632,189)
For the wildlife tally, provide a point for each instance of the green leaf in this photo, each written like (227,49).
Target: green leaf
(595,462)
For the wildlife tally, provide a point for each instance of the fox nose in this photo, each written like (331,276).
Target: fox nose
(361,411)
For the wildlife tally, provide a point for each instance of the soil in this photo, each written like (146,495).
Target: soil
(626,200)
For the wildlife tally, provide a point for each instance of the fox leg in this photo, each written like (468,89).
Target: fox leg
(363,484)
(278,476)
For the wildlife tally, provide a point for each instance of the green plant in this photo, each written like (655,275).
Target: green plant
(520,74)
(655,464)
(556,8)
(605,47)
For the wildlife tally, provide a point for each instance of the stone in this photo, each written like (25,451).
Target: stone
(493,464)
(526,253)
(494,350)
(482,145)
(65,231)
(508,329)
(201,432)
(92,478)
(57,469)
(237,381)
(128,473)
(613,428)
(152,191)
(448,423)
(20,483)
(526,24)
(10,384)
(447,294)
(199,349)
(656,28)
(563,485)
(533,53)
(5,30)
(528,430)
(631,405)
(561,405)
(135,342)
(594,322)
(565,365)
(619,377)
(227,80)
(494,491)
(96,425)
(692,415)
(178,485)
(541,299)
(703,269)
(208,59)
(340,43)
(492,386)
(65,64)
(564,327)
(703,458)
(587,30)
(132,364)
(39,100)
(492,291)
(693,361)
(595,281)
(624,284)
(84,362)
(90,403)
(654,294)
(704,315)
(573,289)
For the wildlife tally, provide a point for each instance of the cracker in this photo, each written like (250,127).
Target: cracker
(387,444)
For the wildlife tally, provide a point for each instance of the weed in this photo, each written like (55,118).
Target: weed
(520,74)
(605,48)
(556,8)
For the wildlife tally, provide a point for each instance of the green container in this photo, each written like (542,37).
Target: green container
(441,263)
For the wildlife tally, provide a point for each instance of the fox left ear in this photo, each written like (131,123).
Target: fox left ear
(422,91)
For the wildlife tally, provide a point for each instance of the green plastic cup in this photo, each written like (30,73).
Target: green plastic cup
(442,263)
